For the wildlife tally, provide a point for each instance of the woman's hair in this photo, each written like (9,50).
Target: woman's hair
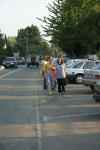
(61,59)
(47,57)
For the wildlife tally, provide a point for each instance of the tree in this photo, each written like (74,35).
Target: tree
(1,44)
(2,50)
(66,25)
(31,35)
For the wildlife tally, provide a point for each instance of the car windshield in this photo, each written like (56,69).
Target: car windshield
(97,67)
(68,62)
(72,64)
(78,65)
(9,59)
(20,58)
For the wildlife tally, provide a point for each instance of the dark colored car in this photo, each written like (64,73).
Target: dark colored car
(20,60)
(9,62)
(96,94)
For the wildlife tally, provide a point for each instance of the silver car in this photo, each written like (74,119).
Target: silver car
(92,77)
(70,61)
(76,70)
(20,60)
(9,62)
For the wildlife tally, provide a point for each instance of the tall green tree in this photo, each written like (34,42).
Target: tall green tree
(1,44)
(2,50)
(66,25)
(30,35)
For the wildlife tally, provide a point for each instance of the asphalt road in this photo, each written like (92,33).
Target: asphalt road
(32,120)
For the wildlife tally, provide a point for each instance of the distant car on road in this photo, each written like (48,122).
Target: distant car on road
(76,70)
(32,59)
(20,60)
(92,77)
(9,62)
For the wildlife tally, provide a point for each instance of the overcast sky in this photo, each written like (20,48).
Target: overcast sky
(17,14)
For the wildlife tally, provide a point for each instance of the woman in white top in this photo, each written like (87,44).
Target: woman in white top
(61,75)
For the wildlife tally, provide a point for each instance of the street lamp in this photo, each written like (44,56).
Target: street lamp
(27,42)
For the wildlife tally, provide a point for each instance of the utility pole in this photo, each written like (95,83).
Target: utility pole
(27,43)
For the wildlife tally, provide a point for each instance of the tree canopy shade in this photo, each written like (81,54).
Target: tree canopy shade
(2,50)
(32,36)
(72,24)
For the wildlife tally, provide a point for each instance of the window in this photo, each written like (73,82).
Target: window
(89,65)
(78,65)
(97,67)
(97,63)
(9,59)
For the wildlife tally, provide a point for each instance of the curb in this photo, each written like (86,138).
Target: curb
(1,68)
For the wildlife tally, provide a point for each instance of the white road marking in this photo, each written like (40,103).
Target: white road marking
(80,98)
(11,72)
(43,101)
(38,126)
(51,118)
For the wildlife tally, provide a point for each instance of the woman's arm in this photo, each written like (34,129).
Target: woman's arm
(53,67)
(65,69)
(41,69)
(45,71)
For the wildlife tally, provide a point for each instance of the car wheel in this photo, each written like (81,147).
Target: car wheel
(78,79)
(96,100)
(92,88)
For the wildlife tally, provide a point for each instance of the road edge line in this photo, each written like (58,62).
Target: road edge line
(38,126)
(11,72)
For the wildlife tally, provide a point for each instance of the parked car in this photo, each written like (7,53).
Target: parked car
(91,77)
(76,70)
(54,60)
(20,60)
(96,94)
(32,59)
(9,62)
(70,61)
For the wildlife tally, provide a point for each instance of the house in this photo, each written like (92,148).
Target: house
(4,38)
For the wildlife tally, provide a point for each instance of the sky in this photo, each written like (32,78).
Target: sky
(18,14)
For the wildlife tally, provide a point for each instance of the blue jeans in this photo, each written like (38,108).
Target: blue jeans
(50,80)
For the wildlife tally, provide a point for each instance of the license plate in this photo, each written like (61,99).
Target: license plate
(7,64)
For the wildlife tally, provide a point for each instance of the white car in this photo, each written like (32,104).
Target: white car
(92,77)
(76,70)
(70,61)
(54,60)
